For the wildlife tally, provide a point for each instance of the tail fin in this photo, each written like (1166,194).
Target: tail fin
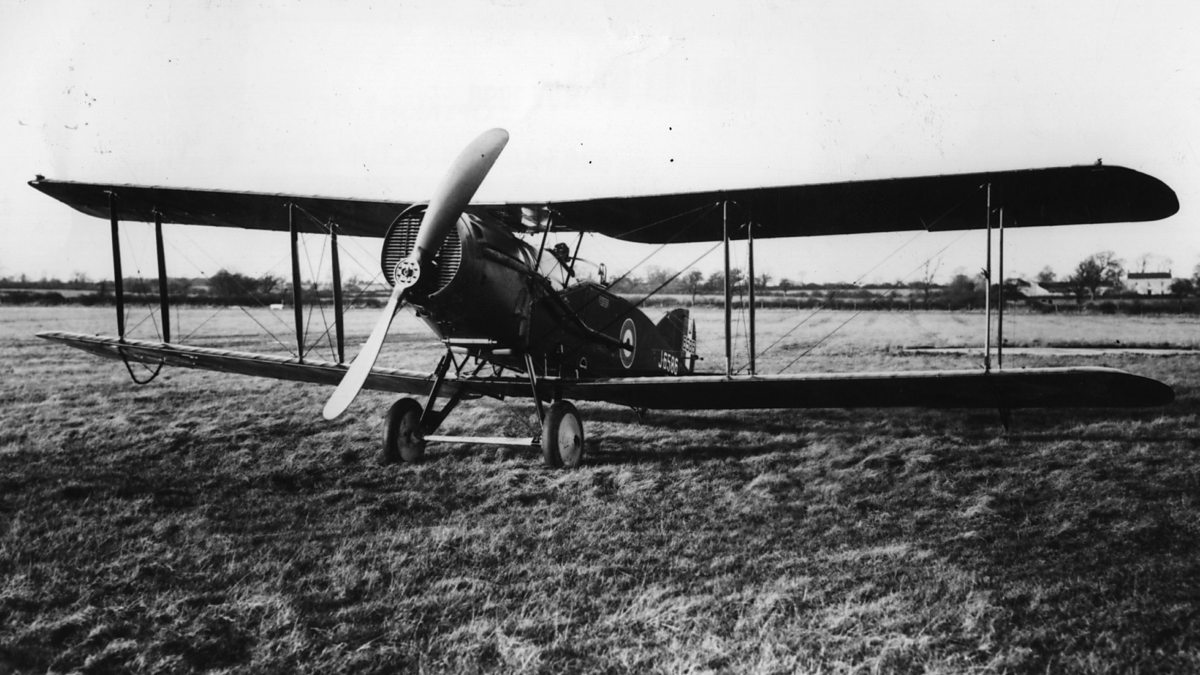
(679,332)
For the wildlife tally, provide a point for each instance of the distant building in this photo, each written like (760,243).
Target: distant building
(1053,292)
(1047,291)
(1149,283)
(1030,289)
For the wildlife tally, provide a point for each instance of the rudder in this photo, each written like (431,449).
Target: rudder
(679,332)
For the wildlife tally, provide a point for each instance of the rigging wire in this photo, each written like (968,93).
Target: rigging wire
(316,276)
(818,343)
(928,227)
(326,335)
(245,291)
(363,290)
(141,279)
(149,315)
(703,209)
(303,346)
(651,294)
(856,282)
(241,288)
(675,276)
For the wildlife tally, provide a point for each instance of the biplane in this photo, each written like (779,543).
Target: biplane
(516,321)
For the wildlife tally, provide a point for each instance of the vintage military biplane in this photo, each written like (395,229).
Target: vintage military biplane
(516,323)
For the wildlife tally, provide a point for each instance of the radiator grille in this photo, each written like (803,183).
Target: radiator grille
(402,237)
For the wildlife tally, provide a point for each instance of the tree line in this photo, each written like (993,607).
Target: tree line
(1102,271)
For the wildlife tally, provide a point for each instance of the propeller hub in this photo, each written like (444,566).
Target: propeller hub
(407,272)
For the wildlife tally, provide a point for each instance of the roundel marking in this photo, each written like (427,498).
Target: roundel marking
(628,337)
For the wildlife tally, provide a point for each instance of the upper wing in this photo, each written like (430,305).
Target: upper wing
(1022,388)
(251,210)
(1032,197)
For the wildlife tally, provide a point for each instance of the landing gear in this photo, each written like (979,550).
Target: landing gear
(410,425)
(562,436)
(405,439)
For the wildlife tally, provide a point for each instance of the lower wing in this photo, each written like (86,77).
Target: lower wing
(1018,388)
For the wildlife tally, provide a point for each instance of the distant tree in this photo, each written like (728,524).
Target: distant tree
(1152,262)
(1094,271)
(785,285)
(626,283)
(692,281)
(656,277)
(926,283)
(226,284)
(178,287)
(762,281)
(1046,276)
(138,285)
(268,284)
(1182,288)
(737,278)
(962,291)
(716,281)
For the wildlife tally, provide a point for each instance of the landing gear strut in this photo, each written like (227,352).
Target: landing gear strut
(410,425)
(404,440)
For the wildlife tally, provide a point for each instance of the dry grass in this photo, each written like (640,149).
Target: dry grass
(213,522)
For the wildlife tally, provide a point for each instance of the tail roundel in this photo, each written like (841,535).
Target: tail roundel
(679,332)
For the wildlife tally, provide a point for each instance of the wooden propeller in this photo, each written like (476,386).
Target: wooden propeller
(447,204)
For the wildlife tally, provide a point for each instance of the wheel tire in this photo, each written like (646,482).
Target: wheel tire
(404,439)
(562,436)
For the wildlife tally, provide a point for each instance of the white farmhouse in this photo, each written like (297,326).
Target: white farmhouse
(1149,283)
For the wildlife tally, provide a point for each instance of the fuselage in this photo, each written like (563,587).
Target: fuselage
(484,289)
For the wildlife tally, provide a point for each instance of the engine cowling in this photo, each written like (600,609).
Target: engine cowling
(398,244)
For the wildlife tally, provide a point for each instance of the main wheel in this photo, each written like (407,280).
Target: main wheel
(562,436)
(404,439)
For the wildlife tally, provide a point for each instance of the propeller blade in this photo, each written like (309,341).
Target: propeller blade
(456,190)
(352,382)
(449,201)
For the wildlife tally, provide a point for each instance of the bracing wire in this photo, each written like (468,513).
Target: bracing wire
(320,305)
(818,343)
(149,315)
(348,253)
(821,307)
(241,288)
(675,276)
(862,276)
(326,336)
(639,303)
(221,309)
(703,211)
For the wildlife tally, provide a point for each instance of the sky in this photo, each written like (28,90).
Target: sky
(601,99)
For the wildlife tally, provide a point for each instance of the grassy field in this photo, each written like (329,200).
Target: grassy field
(214,522)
